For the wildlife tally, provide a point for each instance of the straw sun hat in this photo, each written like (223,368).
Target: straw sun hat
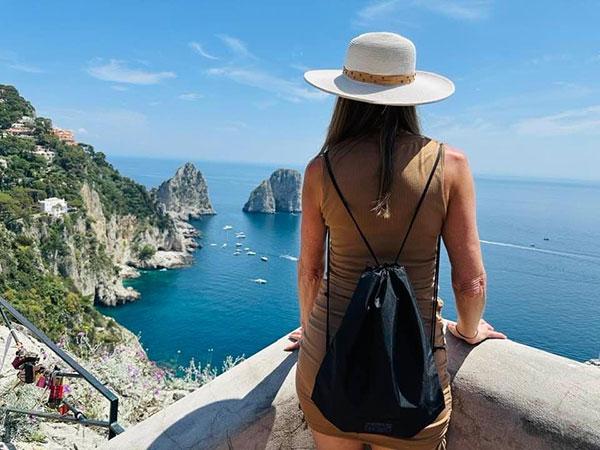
(380,69)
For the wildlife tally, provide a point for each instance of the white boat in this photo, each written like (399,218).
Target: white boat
(227,227)
(240,234)
(213,245)
(264,258)
(163,269)
(238,244)
(224,244)
(251,253)
(237,253)
(246,249)
(260,281)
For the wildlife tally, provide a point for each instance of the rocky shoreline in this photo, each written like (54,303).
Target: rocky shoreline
(183,197)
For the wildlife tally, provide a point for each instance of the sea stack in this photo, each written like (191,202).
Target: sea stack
(281,192)
(185,196)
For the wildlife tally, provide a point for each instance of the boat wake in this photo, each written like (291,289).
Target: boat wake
(290,257)
(594,258)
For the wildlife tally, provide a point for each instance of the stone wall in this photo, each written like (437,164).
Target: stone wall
(505,396)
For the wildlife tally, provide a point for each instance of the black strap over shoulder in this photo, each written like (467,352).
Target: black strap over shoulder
(414,216)
(343,199)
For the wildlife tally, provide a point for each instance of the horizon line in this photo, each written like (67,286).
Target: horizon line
(505,176)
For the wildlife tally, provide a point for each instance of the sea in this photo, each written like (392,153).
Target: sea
(540,241)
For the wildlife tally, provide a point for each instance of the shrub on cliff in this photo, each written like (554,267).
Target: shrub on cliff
(145,252)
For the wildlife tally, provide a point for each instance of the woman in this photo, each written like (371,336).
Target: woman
(381,163)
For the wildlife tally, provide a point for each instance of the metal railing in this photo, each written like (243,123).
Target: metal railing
(79,372)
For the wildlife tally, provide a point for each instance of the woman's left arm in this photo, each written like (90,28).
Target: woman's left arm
(311,262)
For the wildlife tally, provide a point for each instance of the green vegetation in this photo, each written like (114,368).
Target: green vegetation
(50,301)
(12,106)
(145,252)
(39,252)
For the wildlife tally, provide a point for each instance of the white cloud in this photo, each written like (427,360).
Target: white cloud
(514,104)
(461,9)
(199,49)
(376,10)
(455,127)
(234,126)
(470,10)
(300,67)
(593,58)
(116,71)
(286,89)
(118,87)
(81,130)
(574,121)
(190,96)
(265,104)
(550,58)
(236,45)
(25,68)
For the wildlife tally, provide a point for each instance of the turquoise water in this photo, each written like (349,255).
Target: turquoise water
(544,296)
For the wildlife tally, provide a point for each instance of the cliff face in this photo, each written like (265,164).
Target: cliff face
(121,238)
(281,192)
(79,256)
(261,199)
(98,252)
(185,195)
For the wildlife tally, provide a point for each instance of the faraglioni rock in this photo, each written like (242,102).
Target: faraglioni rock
(185,195)
(281,192)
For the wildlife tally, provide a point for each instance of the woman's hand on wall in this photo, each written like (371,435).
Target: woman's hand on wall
(484,331)
(296,337)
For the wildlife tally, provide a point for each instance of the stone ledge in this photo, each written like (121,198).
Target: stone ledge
(505,396)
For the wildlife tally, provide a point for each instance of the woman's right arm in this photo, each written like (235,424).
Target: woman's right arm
(462,242)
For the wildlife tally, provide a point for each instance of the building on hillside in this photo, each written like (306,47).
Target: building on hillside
(3,163)
(20,129)
(66,136)
(54,206)
(40,150)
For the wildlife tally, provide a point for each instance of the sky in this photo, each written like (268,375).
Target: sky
(223,81)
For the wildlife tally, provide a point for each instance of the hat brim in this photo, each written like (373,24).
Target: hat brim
(427,87)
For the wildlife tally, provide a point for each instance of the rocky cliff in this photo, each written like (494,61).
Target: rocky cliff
(281,192)
(55,266)
(185,196)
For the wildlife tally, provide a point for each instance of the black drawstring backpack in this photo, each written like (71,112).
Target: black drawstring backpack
(378,374)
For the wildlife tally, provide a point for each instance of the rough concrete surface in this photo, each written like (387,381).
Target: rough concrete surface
(505,396)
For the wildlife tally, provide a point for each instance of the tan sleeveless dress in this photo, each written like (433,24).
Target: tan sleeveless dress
(356,167)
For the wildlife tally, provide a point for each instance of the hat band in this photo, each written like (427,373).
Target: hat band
(387,80)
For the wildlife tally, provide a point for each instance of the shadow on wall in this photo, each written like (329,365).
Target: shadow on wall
(458,351)
(218,418)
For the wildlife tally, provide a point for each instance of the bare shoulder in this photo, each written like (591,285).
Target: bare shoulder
(456,165)
(313,170)
(454,158)
(457,173)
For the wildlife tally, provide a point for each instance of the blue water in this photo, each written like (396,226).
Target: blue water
(544,296)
